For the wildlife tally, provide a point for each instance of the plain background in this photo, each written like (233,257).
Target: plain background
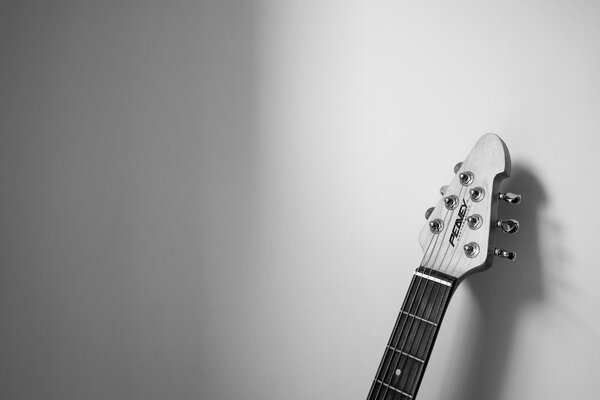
(221,200)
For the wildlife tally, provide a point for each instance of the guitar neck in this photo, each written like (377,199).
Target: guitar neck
(408,350)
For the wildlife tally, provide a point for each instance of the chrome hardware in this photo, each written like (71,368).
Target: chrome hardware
(443,189)
(465,178)
(508,225)
(474,221)
(477,194)
(436,225)
(451,202)
(510,255)
(457,167)
(471,249)
(510,198)
(428,212)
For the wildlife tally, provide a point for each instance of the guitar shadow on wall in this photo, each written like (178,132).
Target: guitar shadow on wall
(503,291)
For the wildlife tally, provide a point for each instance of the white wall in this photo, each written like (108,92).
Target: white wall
(221,200)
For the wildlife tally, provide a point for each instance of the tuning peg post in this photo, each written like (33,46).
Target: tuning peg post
(510,198)
(509,255)
(509,226)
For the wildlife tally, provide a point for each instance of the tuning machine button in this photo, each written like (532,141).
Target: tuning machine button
(457,167)
(510,255)
(510,198)
(428,212)
(443,189)
(509,226)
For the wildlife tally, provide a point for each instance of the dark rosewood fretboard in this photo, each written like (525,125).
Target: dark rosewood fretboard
(406,355)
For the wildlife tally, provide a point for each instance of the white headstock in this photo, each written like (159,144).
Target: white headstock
(457,238)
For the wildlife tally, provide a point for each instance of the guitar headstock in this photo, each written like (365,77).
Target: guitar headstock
(458,238)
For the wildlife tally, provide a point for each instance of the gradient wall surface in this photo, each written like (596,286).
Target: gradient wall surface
(221,200)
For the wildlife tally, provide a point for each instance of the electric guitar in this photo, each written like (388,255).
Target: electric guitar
(457,240)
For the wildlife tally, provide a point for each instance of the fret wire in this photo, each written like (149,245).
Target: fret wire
(406,337)
(403,377)
(419,318)
(422,293)
(393,388)
(406,354)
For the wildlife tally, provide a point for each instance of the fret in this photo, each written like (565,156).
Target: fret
(426,299)
(406,354)
(381,391)
(401,371)
(394,389)
(419,318)
(409,334)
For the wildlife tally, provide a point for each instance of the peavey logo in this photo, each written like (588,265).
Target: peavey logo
(458,223)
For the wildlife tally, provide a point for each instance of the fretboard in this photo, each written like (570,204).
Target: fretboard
(407,352)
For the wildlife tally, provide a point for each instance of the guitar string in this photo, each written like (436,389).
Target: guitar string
(419,302)
(457,261)
(460,254)
(433,241)
(445,293)
(414,321)
(447,270)
(455,248)
(390,342)
(439,289)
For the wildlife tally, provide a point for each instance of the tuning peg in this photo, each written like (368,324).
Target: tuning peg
(471,249)
(451,202)
(510,198)
(510,255)
(508,225)
(457,167)
(477,194)
(443,189)
(436,225)
(428,212)
(465,178)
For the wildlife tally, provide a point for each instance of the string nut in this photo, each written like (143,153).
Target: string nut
(474,221)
